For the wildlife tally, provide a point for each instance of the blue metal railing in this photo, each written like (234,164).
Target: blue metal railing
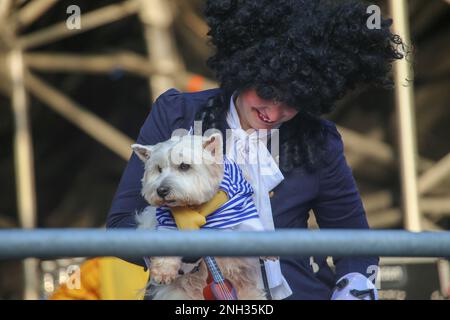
(18,244)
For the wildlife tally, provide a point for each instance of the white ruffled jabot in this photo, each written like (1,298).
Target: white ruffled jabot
(249,151)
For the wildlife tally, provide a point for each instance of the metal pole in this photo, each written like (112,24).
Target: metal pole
(157,17)
(406,120)
(24,167)
(48,243)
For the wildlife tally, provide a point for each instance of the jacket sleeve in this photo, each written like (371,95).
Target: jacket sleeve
(339,206)
(165,114)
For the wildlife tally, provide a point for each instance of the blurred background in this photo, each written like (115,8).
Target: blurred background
(72,101)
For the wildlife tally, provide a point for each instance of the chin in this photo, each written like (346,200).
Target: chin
(260,126)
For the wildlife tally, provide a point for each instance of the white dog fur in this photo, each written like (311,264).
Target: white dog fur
(179,164)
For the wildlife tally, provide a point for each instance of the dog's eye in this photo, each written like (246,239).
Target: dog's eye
(184,167)
(159,169)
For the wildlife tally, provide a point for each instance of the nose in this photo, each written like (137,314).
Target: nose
(163,191)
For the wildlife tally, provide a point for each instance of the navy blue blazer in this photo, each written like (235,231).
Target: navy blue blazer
(331,193)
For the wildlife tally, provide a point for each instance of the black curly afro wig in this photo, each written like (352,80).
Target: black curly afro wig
(305,53)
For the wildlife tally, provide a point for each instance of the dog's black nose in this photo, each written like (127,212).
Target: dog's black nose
(163,191)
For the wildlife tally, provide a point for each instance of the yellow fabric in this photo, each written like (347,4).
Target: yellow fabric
(192,218)
(109,278)
(89,284)
(121,280)
(106,278)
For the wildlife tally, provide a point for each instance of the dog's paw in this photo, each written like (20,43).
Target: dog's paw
(164,270)
(269,258)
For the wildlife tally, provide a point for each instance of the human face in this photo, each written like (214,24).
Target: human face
(258,113)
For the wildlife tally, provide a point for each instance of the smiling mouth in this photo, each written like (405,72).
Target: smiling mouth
(263,117)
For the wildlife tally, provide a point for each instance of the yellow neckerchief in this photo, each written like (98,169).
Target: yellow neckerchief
(192,218)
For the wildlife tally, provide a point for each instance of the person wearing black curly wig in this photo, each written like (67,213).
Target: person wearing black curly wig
(282,65)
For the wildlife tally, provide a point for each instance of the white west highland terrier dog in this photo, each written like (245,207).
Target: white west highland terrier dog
(189,171)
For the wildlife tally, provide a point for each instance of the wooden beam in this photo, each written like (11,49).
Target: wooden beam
(381,152)
(5,9)
(87,121)
(365,167)
(190,18)
(89,20)
(430,12)
(24,166)
(436,206)
(385,218)
(23,145)
(434,175)
(358,143)
(393,217)
(128,61)
(405,111)
(157,18)
(378,201)
(426,183)
(7,26)
(32,11)
(5,85)
(429,225)
(101,63)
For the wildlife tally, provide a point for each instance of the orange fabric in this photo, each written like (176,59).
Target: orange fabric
(195,83)
(105,278)
(89,284)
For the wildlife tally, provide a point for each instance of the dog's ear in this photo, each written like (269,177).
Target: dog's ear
(143,152)
(213,144)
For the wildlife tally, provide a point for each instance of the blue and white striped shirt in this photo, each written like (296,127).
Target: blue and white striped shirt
(239,207)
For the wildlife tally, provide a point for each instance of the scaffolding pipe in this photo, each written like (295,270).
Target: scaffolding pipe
(406,120)
(24,165)
(51,243)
